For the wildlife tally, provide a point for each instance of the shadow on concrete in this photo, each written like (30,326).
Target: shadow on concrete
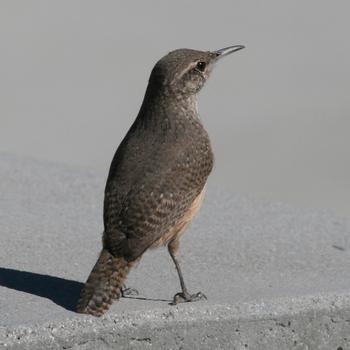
(62,292)
(144,298)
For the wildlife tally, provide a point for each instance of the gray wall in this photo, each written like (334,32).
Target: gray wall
(73,74)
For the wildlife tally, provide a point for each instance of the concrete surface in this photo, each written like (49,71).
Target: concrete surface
(276,277)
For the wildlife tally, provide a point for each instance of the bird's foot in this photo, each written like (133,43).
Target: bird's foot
(126,291)
(184,297)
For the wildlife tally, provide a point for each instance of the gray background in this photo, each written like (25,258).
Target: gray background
(73,75)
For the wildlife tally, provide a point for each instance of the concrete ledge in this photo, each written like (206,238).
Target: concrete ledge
(276,277)
(299,323)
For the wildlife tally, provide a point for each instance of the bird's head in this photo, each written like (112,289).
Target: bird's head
(184,71)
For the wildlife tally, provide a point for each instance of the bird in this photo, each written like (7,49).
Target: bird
(157,177)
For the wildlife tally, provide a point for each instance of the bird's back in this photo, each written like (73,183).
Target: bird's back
(155,175)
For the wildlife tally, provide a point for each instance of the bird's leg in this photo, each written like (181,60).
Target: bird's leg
(183,296)
(129,291)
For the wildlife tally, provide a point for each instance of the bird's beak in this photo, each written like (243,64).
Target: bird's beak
(227,50)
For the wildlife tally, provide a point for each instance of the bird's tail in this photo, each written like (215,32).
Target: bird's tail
(103,285)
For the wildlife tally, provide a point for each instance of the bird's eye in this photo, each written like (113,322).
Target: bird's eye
(201,66)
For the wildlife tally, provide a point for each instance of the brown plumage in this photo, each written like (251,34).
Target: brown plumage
(157,176)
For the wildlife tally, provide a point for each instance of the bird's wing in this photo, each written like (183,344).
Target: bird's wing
(161,187)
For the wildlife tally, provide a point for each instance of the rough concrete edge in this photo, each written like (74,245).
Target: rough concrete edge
(68,333)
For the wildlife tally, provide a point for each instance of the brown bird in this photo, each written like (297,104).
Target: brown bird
(157,177)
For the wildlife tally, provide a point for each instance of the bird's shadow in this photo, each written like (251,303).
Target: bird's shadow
(146,299)
(62,292)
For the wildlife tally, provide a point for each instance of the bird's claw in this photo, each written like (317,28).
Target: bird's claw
(184,297)
(126,291)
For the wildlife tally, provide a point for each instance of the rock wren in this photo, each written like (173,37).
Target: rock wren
(157,176)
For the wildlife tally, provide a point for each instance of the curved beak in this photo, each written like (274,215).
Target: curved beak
(227,50)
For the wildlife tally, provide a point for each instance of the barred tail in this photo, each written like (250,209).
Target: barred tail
(103,285)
